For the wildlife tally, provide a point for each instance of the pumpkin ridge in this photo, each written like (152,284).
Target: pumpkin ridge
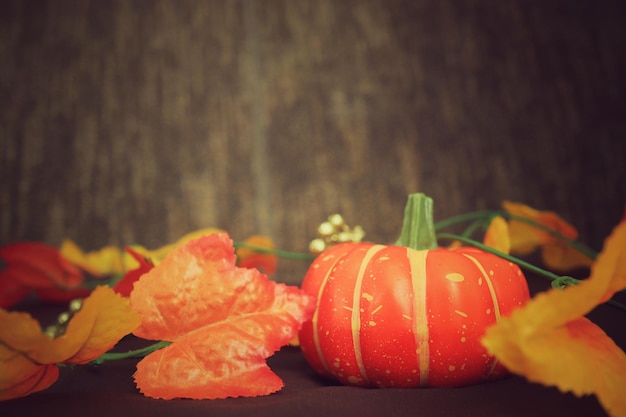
(492,292)
(417,262)
(315,318)
(319,299)
(356,309)
(494,300)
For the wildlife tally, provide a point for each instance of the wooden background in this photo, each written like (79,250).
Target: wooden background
(138,121)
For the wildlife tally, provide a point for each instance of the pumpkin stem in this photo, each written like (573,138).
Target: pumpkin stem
(418,227)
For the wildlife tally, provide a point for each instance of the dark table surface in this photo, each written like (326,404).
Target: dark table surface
(109,390)
(128,122)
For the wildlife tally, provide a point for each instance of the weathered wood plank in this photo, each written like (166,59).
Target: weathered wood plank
(136,122)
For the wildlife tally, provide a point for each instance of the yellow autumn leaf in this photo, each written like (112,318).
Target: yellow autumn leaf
(105,261)
(550,342)
(497,235)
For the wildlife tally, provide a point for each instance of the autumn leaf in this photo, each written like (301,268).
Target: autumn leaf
(224,321)
(497,235)
(29,358)
(125,285)
(104,318)
(156,255)
(249,258)
(32,267)
(99,263)
(550,342)
(556,253)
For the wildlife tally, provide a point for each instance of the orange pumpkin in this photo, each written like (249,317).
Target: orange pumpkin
(410,314)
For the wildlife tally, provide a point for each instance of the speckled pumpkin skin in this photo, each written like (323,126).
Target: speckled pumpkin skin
(391,316)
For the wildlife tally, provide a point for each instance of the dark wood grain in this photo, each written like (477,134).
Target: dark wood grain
(138,121)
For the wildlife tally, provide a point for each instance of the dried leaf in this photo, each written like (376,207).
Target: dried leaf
(549,341)
(224,321)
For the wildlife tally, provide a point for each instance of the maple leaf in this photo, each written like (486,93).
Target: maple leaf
(29,358)
(497,235)
(555,252)
(156,255)
(550,342)
(125,285)
(27,267)
(105,261)
(249,258)
(223,322)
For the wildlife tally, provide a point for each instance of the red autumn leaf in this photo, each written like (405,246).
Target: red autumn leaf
(27,267)
(224,321)
(125,285)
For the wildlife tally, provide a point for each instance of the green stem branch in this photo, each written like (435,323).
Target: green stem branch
(137,353)
(280,253)
(557,279)
(487,215)
(521,263)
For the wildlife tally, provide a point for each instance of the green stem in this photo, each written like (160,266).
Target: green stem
(137,353)
(489,214)
(463,218)
(481,246)
(418,229)
(277,252)
(477,224)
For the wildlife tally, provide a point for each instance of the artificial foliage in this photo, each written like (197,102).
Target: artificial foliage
(214,314)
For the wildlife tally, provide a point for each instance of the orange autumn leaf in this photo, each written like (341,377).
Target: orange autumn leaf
(550,342)
(555,252)
(249,258)
(20,376)
(497,235)
(29,358)
(156,255)
(223,322)
(102,321)
(20,335)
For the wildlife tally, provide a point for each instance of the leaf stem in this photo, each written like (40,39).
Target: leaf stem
(462,218)
(278,252)
(521,263)
(488,214)
(573,243)
(137,353)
